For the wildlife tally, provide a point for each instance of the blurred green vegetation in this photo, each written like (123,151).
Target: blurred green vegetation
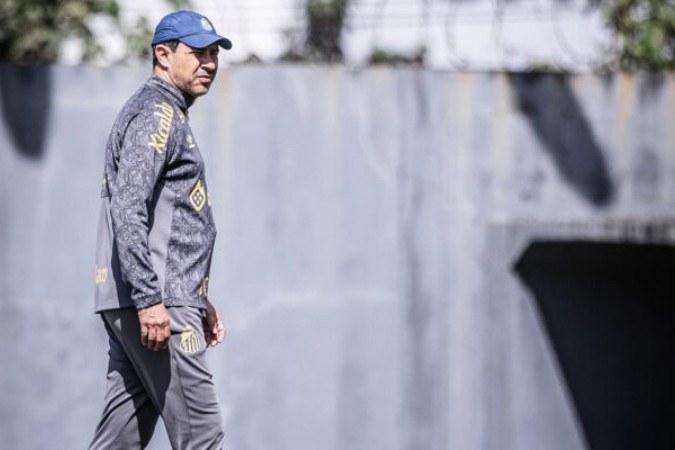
(323,32)
(325,21)
(645,33)
(384,57)
(35,30)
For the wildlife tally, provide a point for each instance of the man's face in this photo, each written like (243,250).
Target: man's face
(192,70)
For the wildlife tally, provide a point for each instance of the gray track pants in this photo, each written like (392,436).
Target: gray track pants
(143,384)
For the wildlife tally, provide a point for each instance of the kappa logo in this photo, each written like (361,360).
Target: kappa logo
(198,196)
(101,275)
(189,340)
(158,139)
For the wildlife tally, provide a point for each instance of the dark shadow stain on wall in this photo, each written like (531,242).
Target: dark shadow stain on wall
(25,95)
(559,123)
(651,87)
(609,310)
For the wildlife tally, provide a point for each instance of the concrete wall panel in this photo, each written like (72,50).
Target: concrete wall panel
(369,222)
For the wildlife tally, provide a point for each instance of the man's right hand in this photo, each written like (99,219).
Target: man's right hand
(155,330)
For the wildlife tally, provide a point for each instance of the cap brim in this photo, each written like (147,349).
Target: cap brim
(206,39)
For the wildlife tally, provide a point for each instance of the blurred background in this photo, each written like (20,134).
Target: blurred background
(442,224)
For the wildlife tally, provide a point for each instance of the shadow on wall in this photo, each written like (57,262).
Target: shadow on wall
(652,86)
(558,121)
(25,95)
(609,312)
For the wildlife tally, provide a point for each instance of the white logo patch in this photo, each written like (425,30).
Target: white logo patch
(206,24)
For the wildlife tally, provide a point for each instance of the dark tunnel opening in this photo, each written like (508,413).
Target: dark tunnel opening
(609,311)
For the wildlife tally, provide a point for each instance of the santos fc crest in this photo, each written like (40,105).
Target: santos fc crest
(189,341)
(198,196)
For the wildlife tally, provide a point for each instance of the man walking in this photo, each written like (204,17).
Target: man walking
(155,242)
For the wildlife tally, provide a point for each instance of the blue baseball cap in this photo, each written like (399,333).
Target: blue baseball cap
(190,28)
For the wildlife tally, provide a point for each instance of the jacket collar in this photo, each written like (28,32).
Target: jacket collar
(180,98)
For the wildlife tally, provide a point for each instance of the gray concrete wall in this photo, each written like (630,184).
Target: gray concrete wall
(369,222)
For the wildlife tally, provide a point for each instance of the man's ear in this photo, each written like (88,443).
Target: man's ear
(162,53)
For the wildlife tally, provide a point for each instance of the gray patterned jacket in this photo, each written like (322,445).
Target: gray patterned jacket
(156,230)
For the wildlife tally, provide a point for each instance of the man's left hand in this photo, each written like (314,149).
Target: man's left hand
(214,330)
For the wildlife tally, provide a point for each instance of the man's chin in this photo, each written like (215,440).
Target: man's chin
(198,91)
(202,86)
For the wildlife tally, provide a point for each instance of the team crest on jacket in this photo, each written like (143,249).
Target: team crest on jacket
(198,196)
(189,341)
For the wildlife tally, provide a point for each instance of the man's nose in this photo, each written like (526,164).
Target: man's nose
(210,62)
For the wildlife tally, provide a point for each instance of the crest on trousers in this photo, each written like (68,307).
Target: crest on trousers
(189,341)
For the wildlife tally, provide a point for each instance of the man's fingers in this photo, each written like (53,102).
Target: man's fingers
(163,343)
(155,326)
(152,338)
(220,329)
(144,335)
(214,331)
(159,342)
(161,337)
(211,339)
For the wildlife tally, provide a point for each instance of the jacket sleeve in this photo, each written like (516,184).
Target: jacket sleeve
(142,155)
